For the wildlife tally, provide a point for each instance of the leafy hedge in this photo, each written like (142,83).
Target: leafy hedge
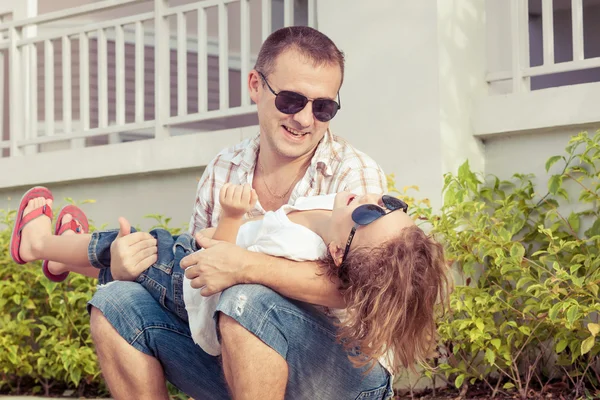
(44,326)
(524,311)
(45,339)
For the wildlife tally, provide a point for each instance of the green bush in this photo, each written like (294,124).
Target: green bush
(524,310)
(45,340)
(44,326)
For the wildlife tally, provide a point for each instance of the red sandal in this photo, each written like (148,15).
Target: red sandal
(22,220)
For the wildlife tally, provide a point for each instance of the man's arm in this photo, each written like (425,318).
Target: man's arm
(305,281)
(221,265)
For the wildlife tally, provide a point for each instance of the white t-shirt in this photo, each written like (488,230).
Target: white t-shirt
(275,235)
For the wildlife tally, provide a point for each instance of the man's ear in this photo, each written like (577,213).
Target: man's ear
(336,252)
(253,84)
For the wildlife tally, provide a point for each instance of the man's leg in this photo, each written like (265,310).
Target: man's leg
(253,370)
(155,345)
(129,373)
(317,366)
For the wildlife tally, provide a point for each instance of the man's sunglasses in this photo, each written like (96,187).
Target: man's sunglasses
(289,102)
(367,213)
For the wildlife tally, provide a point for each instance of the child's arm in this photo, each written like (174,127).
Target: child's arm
(236,201)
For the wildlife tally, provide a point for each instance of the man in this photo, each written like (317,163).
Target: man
(282,347)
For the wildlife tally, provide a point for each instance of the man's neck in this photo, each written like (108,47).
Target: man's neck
(283,166)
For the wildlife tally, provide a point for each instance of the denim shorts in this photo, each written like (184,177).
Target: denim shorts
(318,366)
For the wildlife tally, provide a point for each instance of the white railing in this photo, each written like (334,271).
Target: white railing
(107,102)
(521,71)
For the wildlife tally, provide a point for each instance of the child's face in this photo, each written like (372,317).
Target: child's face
(371,235)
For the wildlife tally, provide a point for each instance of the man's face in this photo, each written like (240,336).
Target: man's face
(293,135)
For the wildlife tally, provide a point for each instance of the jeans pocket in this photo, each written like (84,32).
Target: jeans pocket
(156,290)
(372,394)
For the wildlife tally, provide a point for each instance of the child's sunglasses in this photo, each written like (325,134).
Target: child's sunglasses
(367,213)
(289,102)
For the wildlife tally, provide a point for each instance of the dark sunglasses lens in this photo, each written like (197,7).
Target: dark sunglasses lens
(393,203)
(324,109)
(290,102)
(367,213)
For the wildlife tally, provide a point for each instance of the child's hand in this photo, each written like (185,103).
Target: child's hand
(237,200)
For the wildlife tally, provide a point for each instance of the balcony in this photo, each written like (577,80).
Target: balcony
(94,77)
(543,66)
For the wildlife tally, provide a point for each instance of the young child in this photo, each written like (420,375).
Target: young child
(391,273)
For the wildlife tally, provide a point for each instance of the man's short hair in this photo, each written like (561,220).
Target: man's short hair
(307,41)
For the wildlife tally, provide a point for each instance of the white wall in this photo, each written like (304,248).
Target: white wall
(170,193)
(390,97)
(412,69)
(462,60)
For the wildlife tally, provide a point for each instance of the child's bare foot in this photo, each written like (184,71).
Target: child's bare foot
(33,233)
(57,268)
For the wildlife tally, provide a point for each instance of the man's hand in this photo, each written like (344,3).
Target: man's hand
(237,200)
(131,253)
(218,266)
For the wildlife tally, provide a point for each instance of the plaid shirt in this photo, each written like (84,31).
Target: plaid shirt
(335,167)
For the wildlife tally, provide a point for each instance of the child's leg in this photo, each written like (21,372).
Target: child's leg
(164,279)
(84,252)
(58,268)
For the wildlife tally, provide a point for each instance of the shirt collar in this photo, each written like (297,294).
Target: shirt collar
(246,159)
(324,154)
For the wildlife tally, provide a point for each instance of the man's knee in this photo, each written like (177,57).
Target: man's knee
(238,303)
(229,329)
(99,326)
(258,298)
(248,311)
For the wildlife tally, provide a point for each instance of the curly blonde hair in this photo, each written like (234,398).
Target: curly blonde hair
(391,293)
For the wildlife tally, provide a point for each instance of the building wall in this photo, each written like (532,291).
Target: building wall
(390,97)
(412,70)
(170,193)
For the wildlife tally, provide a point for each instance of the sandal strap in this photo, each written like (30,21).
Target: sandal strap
(69,226)
(38,212)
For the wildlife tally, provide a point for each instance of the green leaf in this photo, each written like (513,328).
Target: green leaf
(551,161)
(479,324)
(517,251)
(574,221)
(459,381)
(521,282)
(496,343)
(587,344)
(554,183)
(594,230)
(508,385)
(76,376)
(525,330)
(572,313)
(554,311)
(490,356)
(574,268)
(593,328)
(561,345)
